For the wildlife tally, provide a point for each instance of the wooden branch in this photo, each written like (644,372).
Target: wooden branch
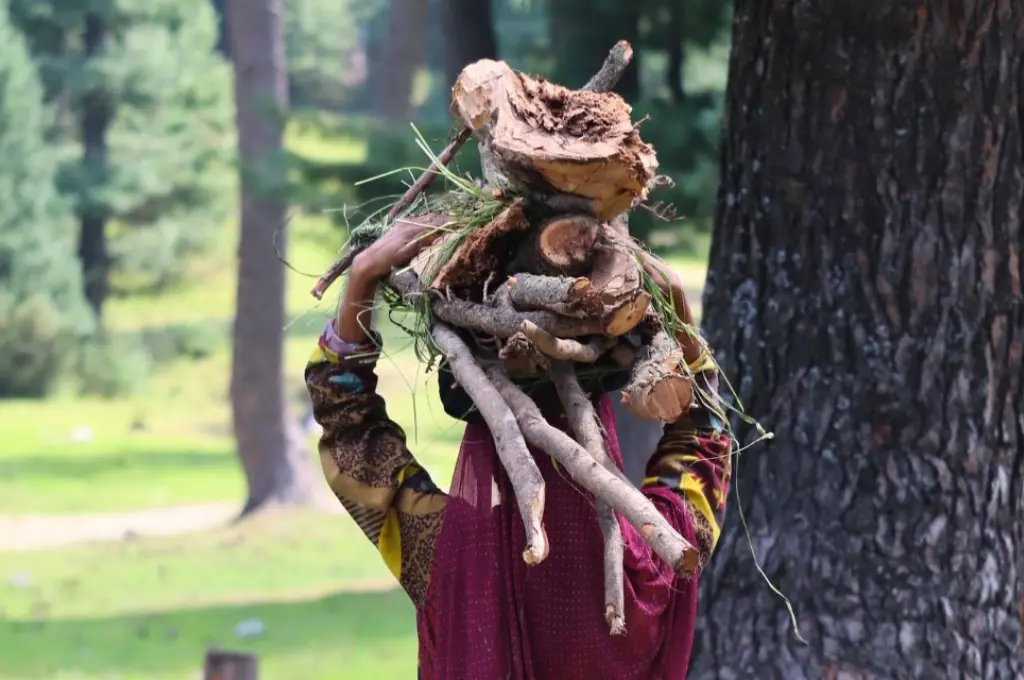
(564,348)
(616,491)
(566,296)
(585,425)
(498,319)
(515,457)
(419,186)
(520,356)
(616,275)
(661,387)
(611,71)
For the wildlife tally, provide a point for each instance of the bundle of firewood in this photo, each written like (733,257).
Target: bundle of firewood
(536,266)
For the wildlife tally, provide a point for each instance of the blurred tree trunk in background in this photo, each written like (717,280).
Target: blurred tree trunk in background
(864,296)
(582,32)
(97,107)
(468,29)
(397,56)
(269,444)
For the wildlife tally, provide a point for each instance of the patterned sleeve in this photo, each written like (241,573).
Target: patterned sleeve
(693,459)
(367,464)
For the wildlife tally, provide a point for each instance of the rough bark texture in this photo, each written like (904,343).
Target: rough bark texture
(865,299)
(97,114)
(277,467)
(660,388)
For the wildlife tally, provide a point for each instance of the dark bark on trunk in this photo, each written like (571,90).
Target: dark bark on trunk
(582,35)
(392,76)
(468,28)
(276,466)
(864,297)
(97,114)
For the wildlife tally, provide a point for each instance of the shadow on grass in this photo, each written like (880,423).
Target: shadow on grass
(344,635)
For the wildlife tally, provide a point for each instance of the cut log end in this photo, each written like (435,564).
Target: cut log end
(627,315)
(665,399)
(566,244)
(616,622)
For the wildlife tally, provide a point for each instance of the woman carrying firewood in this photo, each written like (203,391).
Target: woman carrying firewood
(486,609)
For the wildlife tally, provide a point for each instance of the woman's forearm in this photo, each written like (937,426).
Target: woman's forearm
(355,309)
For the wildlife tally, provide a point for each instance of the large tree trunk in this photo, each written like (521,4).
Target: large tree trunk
(97,114)
(865,299)
(468,29)
(403,50)
(276,467)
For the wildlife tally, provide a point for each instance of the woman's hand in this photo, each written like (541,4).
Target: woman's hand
(672,286)
(403,241)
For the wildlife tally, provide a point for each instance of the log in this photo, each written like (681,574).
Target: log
(566,245)
(616,276)
(606,486)
(543,139)
(224,665)
(520,356)
(515,457)
(661,385)
(585,425)
(563,295)
(498,318)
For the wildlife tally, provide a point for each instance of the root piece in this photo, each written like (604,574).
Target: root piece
(563,348)
(567,244)
(476,256)
(522,357)
(567,296)
(539,137)
(606,486)
(499,319)
(515,457)
(585,425)
(661,387)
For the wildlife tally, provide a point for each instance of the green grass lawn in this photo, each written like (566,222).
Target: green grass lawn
(147,609)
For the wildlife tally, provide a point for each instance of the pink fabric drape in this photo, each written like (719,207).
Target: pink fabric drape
(490,617)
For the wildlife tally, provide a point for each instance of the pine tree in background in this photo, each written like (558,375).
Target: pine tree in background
(145,130)
(40,289)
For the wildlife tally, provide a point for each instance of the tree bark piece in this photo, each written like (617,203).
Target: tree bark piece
(476,256)
(566,296)
(616,275)
(585,425)
(419,186)
(661,387)
(564,348)
(566,245)
(515,457)
(613,489)
(544,138)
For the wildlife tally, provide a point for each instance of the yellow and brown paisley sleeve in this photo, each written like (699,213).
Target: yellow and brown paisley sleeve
(368,466)
(693,458)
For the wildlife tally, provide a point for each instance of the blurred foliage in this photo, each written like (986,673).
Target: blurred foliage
(165,181)
(41,306)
